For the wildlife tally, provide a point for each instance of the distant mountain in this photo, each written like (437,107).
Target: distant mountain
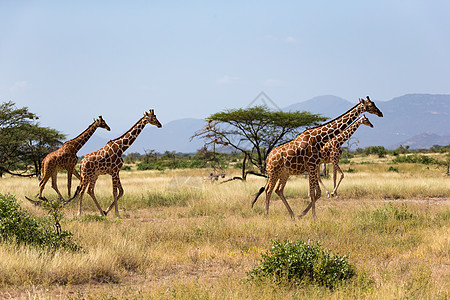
(173,136)
(404,117)
(417,120)
(424,141)
(328,106)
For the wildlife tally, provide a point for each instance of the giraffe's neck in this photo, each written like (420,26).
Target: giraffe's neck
(81,139)
(321,134)
(125,140)
(341,138)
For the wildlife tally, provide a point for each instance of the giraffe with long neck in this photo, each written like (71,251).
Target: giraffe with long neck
(331,152)
(65,158)
(108,160)
(303,155)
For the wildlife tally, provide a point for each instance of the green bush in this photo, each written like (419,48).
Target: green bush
(392,169)
(416,159)
(17,226)
(344,161)
(300,263)
(126,168)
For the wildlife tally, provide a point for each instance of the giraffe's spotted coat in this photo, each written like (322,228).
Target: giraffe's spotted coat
(65,158)
(331,152)
(108,160)
(303,155)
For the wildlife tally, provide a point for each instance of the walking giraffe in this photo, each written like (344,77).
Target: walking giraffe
(108,160)
(65,158)
(303,155)
(331,152)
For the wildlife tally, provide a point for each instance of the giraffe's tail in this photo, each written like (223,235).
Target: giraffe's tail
(74,195)
(261,190)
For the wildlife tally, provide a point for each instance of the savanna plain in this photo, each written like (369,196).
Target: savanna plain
(181,236)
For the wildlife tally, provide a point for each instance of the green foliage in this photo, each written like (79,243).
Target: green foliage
(416,159)
(254,131)
(300,263)
(263,115)
(377,150)
(171,160)
(17,226)
(24,143)
(392,169)
(344,161)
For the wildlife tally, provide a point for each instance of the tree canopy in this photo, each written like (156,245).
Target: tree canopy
(255,131)
(23,142)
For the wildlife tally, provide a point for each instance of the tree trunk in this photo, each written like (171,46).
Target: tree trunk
(244,162)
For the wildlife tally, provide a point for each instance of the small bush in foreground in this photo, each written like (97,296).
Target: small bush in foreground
(298,262)
(16,225)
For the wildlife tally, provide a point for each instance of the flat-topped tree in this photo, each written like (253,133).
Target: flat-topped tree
(254,131)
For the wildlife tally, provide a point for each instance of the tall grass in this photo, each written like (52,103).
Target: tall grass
(182,237)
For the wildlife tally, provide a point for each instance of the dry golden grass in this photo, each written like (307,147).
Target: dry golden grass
(181,237)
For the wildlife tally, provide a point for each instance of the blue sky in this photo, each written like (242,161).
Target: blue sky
(70,61)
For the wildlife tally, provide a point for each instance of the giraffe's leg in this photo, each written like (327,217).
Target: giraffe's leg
(77,175)
(117,187)
(337,169)
(43,182)
(91,193)
(317,193)
(320,181)
(314,191)
(69,180)
(55,185)
(334,177)
(269,189)
(82,189)
(311,195)
(279,191)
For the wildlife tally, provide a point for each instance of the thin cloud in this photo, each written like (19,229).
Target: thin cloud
(227,79)
(274,83)
(291,39)
(19,86)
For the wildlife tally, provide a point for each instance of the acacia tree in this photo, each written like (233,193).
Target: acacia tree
(39,142)
(23,143)
(254,131)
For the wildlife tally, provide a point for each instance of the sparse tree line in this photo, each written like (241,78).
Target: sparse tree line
(240,138)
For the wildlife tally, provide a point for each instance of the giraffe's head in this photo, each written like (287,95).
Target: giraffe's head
(365,121)
(150,118)
(370,106)
(101,123)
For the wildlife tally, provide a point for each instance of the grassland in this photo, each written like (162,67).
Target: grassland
(182,237)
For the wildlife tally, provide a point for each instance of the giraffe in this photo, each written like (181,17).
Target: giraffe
(303,155)
(108,160)
(331,152)
(65,158)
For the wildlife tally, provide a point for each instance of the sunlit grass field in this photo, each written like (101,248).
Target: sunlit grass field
(182,237)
